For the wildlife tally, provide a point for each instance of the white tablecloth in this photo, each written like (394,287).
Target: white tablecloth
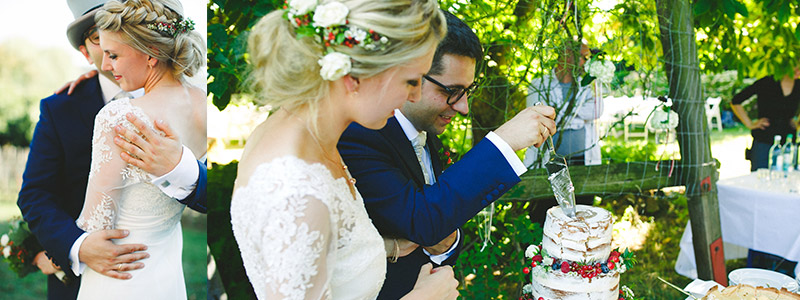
(756,214)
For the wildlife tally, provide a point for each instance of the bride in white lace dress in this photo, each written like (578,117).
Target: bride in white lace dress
(299,221)
(119,195)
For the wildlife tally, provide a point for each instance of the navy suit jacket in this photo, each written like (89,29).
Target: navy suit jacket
(391,182)
(57,172)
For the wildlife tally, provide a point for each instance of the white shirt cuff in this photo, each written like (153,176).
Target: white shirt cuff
(508,153)
(76,265)
(181,181)
(438,259)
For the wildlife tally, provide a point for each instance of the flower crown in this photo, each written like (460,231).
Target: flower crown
(328,25)
(174,28)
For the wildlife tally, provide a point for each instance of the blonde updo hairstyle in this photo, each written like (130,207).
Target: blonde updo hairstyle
(183,54)
(284,70)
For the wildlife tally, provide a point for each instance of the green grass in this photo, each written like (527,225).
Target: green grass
(34,286)
(729,133)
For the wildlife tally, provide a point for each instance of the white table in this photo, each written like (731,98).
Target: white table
(754,213)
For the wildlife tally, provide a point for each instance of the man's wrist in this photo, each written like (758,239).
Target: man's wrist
(75,264)
(182,180)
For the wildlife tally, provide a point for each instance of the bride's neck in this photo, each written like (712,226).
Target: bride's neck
(325,125)
(158,79)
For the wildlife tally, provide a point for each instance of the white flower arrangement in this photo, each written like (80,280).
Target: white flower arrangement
(334,66)
(301,7)
(531,251)
(7,252)
(664,117)
(330,14)
(355,33)
(603,70)
(327,25)
(4,240)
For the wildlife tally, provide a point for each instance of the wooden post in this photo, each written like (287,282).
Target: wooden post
(680,62)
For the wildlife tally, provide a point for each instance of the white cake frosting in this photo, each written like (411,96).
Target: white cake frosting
(587,239)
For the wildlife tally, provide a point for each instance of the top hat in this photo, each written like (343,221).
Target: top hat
(83,11)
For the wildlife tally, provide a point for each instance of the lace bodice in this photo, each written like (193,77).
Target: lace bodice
(303,236)
(120,195)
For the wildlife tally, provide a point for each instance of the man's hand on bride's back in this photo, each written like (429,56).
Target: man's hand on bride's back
(100,254)
(72,84)
(434,284)
(148,150)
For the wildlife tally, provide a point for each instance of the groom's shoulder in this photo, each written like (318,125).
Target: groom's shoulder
(88,90)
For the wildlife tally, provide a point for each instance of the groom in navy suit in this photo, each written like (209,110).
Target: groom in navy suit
(406,193)
(56,174)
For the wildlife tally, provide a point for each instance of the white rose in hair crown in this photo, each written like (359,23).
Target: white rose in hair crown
(327,25)
(334,66)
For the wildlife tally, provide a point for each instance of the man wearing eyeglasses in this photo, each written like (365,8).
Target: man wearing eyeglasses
(399,173)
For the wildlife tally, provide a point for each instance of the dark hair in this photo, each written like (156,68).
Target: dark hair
(460,40)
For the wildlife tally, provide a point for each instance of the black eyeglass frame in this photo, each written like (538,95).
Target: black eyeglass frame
(454,94)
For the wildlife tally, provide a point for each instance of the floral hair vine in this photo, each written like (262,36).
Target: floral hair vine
(174,28)
(328,25)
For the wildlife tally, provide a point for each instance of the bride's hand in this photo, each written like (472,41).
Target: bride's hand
(72,84)
(434,284)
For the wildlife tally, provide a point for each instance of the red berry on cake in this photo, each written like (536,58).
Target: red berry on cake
(565,267)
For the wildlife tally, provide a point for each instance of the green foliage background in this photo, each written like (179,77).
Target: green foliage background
(28,74)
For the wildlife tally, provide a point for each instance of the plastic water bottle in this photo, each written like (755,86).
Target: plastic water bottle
(797,154)
(788,151)
(775,157)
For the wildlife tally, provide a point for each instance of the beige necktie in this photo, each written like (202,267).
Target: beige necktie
(419,146)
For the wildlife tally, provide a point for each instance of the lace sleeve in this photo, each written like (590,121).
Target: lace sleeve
(285,238)
(105,175)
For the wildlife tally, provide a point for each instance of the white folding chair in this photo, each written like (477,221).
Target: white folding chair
(712,112)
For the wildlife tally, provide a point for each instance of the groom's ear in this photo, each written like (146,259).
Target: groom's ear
(85,52)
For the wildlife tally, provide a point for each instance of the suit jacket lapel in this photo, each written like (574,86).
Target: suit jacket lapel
(395,135)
